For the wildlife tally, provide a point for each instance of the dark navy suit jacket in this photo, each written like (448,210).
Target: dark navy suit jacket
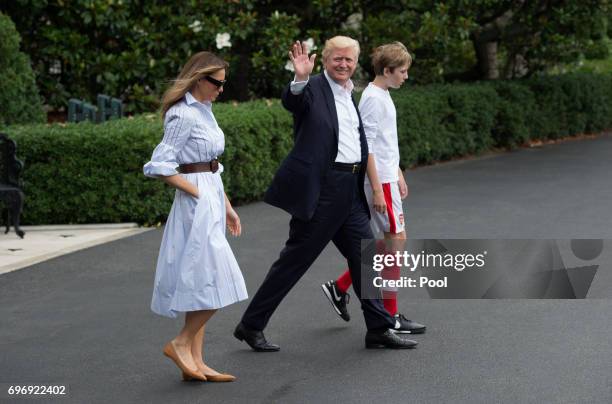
(297,183)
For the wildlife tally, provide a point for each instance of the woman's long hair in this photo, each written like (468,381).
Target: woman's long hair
(199,65)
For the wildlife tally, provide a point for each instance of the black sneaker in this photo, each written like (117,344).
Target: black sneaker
(338,299)
(405,326)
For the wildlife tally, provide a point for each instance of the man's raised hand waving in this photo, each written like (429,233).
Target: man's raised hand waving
(302,64)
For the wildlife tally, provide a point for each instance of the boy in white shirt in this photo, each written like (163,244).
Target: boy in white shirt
(385,186)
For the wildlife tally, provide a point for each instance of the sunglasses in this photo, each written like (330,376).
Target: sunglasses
(218,83)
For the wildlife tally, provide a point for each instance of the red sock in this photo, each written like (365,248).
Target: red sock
(344,282)
(381,246)
(390,296)
(390,301)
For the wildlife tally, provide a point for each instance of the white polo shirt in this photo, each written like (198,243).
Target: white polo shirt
(379,121)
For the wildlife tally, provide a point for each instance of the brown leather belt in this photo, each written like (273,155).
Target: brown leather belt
(202,167)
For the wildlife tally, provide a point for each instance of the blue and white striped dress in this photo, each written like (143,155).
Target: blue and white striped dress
(196,268)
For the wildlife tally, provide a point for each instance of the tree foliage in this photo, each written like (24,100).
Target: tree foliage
(489,39)
(19,96)
(133,48)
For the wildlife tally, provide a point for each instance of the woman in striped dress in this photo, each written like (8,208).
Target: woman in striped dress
(197,272)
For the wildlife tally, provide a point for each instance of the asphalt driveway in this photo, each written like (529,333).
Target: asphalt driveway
(84,320)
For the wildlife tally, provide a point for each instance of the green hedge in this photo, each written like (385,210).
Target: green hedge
(87,173)
(83,173)
(439,122)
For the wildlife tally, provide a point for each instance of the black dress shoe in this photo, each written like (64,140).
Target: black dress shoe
(387,339)
(405,326)
(338,299)
(254,338)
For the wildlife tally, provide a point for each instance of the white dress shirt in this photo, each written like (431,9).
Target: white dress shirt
(349,146)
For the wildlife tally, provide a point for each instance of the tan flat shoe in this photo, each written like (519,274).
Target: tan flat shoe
(170,352)
(189,378)
(220,378)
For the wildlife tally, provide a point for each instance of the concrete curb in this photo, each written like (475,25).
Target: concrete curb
(120,231)
(97,226)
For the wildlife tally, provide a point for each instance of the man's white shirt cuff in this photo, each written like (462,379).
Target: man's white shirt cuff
(297,87)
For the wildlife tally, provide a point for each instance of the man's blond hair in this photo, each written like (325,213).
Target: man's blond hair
(340,42)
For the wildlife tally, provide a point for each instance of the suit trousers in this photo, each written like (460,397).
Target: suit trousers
(341,217)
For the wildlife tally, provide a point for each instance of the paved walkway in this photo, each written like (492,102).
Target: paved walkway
(45,242)
(83,319)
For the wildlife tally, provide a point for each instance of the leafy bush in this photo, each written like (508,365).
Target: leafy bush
(570,104)
(83,173)
(87,173)
(515,114)
(438,122)
(597,50)
(131,49)
(19,96)
(423,136)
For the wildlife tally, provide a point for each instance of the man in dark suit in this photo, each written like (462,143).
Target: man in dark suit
(320,184)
